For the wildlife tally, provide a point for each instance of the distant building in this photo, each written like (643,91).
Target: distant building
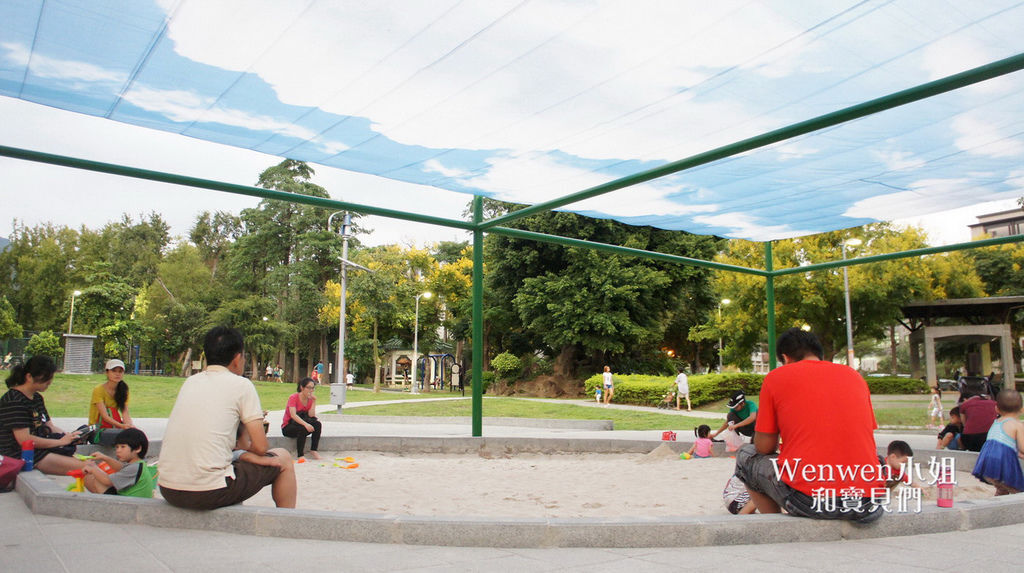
(1001,224)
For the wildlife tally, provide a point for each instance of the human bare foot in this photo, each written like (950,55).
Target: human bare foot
(314,454)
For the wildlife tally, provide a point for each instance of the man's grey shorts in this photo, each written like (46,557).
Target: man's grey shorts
(758,472)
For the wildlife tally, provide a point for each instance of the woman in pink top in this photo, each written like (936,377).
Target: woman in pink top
(300,418)
(701,448)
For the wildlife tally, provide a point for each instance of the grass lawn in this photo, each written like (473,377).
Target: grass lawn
(526,408)
(153,396)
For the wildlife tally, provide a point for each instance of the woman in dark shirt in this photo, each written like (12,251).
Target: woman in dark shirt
(23,416)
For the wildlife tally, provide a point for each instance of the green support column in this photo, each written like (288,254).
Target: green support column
(769,303)
(478,317)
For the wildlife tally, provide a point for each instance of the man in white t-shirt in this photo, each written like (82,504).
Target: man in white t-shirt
(683,389)
(215,409)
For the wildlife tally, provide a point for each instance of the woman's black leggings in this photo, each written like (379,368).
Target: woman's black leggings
(299,432)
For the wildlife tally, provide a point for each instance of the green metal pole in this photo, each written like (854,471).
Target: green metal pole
(478,317)
(902,255)
(910,95)
(175,179)
(629,251)
(769,303)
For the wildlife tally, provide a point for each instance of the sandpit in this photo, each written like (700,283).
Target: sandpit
(586,485)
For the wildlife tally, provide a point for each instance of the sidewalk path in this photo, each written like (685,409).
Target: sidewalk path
(34,543)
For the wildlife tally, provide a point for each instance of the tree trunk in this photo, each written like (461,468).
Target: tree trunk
(564,362)
(376,360)
(296,372)
(696,361)
(325,358)
(186,363)
(892,349)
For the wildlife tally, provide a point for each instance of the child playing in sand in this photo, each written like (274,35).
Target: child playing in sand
(701,447)
(998,462)
(935,408)
(736,497)
(949,437)
(896,457)
(131,475)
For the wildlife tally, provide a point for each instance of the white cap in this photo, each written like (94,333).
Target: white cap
(114,363)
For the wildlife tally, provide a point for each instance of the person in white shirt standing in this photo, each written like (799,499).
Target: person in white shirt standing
(683,389)
(214,409)
(609,385)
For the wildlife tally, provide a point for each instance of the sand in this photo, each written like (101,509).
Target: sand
(658,484)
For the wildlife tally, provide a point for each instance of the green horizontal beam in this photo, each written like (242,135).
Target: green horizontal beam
(175,179)
(619,250)
(910,95)
(901,255)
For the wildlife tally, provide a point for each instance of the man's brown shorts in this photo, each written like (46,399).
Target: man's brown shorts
(249,479)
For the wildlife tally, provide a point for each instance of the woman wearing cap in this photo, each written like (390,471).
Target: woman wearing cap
(108,406)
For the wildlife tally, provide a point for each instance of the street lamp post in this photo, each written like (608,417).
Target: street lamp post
(416,339)
(854,242)
(338,388)
(71,318)
(724,301)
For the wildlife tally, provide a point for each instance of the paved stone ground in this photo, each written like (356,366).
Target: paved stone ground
(36,544)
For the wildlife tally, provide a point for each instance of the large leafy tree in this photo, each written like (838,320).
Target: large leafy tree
(877,290)
(380,303)
(578,302)
(40,269)
(285,253)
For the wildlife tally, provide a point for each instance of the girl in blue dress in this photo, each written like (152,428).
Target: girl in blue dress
(998,462)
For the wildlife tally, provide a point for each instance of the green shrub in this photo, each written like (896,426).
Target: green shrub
(506,365)
(643,390)
(896,385)
(487,378)
(45,343)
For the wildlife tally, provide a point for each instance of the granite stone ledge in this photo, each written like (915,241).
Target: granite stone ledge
(757,529)
(327,525)
(895,524)
(994,512)
(471,531)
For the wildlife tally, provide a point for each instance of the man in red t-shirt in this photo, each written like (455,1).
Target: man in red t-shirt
(827,467)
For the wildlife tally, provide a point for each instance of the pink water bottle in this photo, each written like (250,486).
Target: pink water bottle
(28,454)
(945,497)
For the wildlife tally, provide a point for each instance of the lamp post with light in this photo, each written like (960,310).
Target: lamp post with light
(724,301)
(853,242)
(416,339)
(71,318)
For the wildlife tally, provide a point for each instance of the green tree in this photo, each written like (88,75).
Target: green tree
(44,343)
(40,267)
(573,301)
(9,328)
(877,290)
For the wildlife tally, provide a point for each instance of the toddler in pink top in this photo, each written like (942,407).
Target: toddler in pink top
(701,447)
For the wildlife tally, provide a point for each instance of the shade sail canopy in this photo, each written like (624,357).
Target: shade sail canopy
(530,101)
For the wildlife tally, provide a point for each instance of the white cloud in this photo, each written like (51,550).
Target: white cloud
(924,197)
(540,178)
(54,68)
(742,225)
(549,71)
(898,160)
(980,135)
